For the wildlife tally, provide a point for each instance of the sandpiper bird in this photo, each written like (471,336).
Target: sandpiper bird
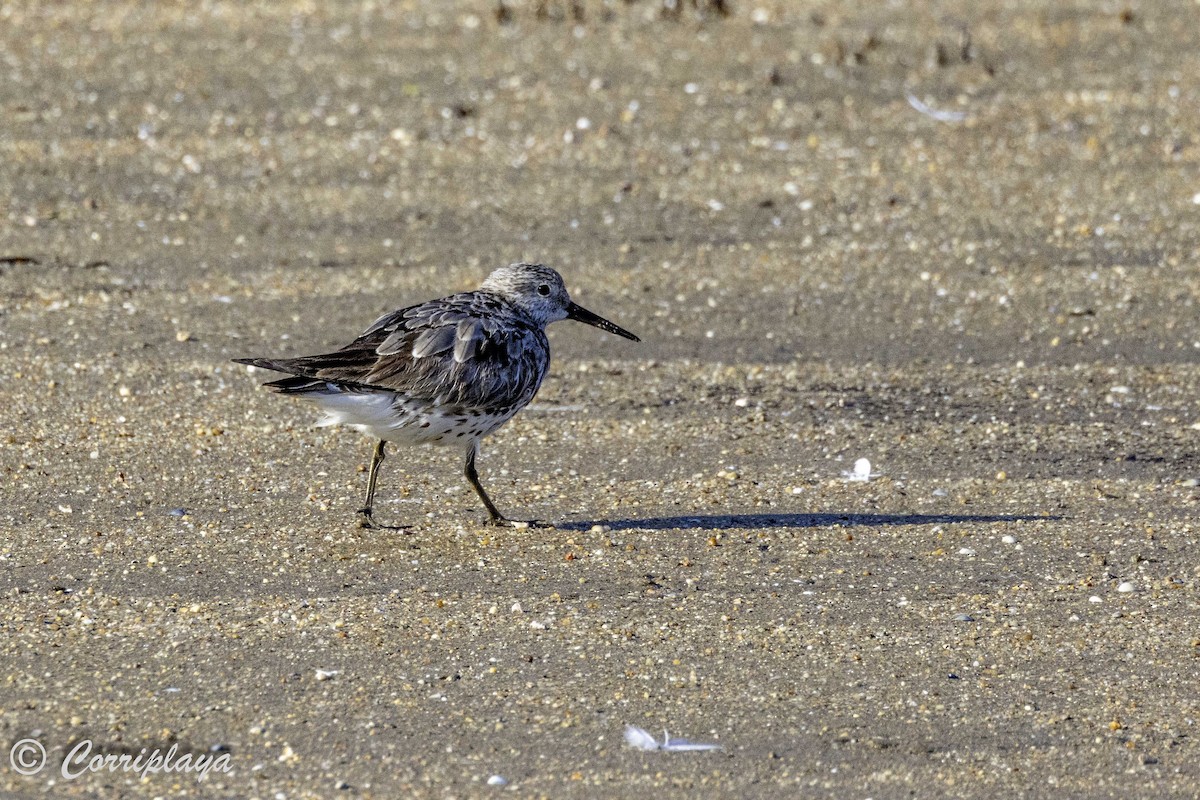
(448,371)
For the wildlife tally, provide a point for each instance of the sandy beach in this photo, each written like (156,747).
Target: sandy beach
(959,241)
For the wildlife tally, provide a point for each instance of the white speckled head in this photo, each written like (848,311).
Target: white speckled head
(539,292)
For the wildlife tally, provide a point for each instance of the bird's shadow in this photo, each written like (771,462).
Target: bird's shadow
(710,522)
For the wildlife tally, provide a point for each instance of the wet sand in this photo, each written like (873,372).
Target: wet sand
(960,243)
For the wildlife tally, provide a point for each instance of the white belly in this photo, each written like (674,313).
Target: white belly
(394,418)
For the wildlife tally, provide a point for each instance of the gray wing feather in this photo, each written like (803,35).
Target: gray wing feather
(394,343)
(430,342)
(469,336)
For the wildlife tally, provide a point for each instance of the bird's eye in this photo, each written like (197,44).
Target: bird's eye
(544,290)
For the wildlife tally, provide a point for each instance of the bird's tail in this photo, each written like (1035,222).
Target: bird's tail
(293,384)
(264,363)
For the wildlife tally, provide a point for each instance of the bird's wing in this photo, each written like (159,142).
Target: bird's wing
(469,351)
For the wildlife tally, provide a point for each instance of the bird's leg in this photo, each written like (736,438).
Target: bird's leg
(365,518)
(495,517)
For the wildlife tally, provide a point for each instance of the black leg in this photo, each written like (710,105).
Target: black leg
(365,518)
(495,517)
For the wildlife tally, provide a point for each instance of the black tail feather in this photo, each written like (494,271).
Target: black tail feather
(264,363)
(294,384)
(297,382)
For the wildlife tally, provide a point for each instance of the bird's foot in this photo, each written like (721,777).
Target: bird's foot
(505,522)
(366,521)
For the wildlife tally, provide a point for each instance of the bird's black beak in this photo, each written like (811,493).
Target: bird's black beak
(581,314)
